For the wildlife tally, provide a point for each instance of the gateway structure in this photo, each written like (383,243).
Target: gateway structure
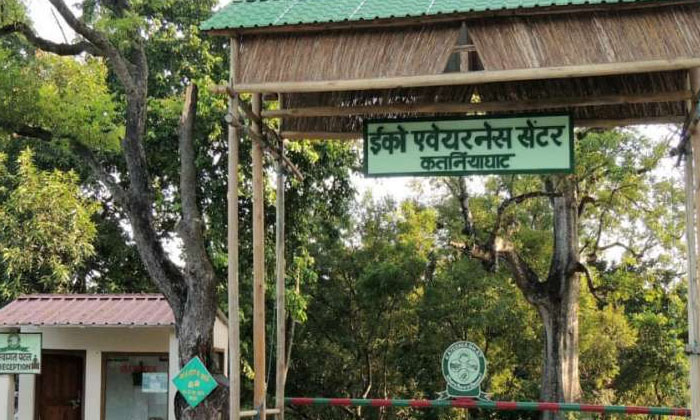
(330,65)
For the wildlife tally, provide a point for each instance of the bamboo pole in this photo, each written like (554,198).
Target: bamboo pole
(320,135)
(232,216)
(259,390)
(254,413)
(280,287)
(459,107)
(265,133)
(694,288)
(471,78)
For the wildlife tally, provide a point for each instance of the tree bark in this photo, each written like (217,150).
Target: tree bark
(560,378)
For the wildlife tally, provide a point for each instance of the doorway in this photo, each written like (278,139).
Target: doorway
(60,386)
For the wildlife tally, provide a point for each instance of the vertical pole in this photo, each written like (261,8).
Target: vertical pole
(234,136)
(280,286)
(258,265)
(693,184)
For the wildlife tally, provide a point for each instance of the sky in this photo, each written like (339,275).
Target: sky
(51,26)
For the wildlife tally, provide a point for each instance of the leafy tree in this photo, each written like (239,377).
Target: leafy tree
(546,231)
(46,228)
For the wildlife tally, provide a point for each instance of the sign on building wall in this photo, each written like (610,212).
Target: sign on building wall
(20,353)
(469,145)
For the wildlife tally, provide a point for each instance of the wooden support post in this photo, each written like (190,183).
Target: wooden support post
(259,390)
(233,303)
(280,288)
(694,288)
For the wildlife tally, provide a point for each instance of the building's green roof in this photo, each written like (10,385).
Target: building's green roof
(241,14)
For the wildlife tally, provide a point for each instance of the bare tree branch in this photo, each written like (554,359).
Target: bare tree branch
(581,268)
(494,248)
(464,206)
(100,41)
(636,254)
(585,201)
(46,45)
(525,277)
(191,225)
(515,200)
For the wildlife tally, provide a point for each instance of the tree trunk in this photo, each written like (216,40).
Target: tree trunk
(559,309)
(560,373)
(194,331)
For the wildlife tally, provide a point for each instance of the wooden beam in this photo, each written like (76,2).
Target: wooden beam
(267,133)
(693,348)
(320,135)
(597,123)
(472,78)
(280,289)
(464,48)
(259,391)
(234,330)
(460,108)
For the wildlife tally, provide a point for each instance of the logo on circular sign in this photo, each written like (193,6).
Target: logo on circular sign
(464,367)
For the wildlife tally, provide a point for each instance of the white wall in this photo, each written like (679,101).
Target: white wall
(221,339)
(7,392)
(7,397)
(95,342)
(173,369)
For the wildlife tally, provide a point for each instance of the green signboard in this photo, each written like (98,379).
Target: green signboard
(194,382)
(464,367)
(20,353)
(469,145)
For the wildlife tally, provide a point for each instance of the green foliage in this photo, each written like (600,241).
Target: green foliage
(11,11)
(46,228)
(62,95)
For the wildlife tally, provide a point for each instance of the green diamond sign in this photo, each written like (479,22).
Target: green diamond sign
(464,367)
(194,382)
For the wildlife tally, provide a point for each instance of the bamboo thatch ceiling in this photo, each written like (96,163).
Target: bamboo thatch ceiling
(347,55)
(592,38)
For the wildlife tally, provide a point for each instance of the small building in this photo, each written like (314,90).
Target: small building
(104,357)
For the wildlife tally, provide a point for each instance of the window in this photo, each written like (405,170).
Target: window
(136,387)
(218,366)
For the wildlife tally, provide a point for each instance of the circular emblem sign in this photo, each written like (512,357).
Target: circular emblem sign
(464,367)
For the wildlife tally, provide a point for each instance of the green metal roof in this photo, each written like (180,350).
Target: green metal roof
(241,14)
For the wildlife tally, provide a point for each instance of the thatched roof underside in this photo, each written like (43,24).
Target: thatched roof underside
(501,44)
(510,92)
